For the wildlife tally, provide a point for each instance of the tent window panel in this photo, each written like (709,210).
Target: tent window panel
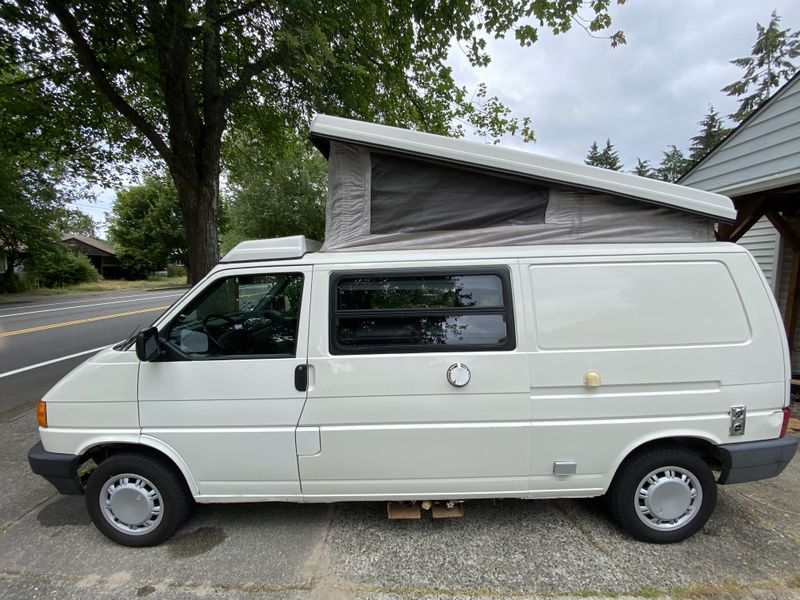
(410,196)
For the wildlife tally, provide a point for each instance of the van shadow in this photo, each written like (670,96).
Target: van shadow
(67,510)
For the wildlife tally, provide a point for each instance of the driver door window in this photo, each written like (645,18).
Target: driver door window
(242,315)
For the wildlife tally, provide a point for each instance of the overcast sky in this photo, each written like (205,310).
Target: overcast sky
(645,95)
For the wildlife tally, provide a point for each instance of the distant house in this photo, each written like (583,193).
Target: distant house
(758,167)
(101,254)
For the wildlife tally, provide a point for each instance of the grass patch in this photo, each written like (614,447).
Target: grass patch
(106,285)
(708,590)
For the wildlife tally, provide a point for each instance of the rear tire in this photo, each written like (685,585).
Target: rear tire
(137,500)
(663,496)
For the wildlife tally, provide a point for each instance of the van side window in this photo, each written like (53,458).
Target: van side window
(255,315)
(426,311)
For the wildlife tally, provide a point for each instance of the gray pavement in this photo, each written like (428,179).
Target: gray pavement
(86,321)
(500,549)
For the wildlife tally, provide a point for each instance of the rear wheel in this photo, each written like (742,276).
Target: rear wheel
(136,500)
(663,495)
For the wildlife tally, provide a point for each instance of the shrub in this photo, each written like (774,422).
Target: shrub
(11,284)
(176,271)
(60,269)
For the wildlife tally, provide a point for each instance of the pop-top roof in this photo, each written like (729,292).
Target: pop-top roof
(272,249)
(518,163)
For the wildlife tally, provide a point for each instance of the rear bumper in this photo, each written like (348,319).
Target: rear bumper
(59,469)
(750,461)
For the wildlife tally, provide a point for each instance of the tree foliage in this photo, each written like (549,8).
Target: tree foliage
(167,79)
(643,169)
(768,66)
(712,132)
(673,165)
(26,217)
(146,228)
(36,180)
(72,220)
(607,158)
(274,191)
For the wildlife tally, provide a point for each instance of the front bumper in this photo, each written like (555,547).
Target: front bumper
(59,469)
(750,461)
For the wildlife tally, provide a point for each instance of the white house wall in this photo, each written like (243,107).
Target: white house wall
(763,242)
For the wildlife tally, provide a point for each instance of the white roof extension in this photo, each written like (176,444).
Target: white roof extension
(520,163)
(271,249)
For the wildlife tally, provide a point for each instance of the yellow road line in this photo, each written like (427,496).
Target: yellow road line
(79,321)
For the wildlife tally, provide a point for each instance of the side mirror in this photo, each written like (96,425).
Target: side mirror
(147,347)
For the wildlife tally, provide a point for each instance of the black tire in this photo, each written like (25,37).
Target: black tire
(671,479)
(150,504)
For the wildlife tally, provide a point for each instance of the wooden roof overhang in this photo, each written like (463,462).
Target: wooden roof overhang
(774,204)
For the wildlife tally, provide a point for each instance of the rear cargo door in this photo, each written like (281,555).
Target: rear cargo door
(628,349)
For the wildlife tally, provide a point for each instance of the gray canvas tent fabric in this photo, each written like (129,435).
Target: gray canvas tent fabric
(381,201)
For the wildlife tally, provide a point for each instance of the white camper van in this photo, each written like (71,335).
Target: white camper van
(480,323)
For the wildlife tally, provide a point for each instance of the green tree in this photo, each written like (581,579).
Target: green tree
(146,228)
(643,169)
(768,66)
(26,218)
(274,191)
(34,180)
(607,158)
(166,79)
(712,132)
(72,220)
(673,165)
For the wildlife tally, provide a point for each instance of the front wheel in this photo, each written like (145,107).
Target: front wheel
(136,500)
(663,495)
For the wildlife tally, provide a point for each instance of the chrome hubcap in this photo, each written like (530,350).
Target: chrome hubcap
(131,504)
(668,498)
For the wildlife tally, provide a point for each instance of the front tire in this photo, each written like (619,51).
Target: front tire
(664,495)
(136,500)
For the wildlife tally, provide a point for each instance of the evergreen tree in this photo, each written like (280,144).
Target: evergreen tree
(712,132)
(643,168)
(607,158)
(593,156)
(766,68)
(673,165)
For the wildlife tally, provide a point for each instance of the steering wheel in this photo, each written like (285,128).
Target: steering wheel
(274,315)
(229,341)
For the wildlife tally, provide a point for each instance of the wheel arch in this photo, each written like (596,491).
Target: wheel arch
(700,443)
(148,447)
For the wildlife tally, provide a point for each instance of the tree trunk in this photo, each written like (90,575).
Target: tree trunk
(198,201)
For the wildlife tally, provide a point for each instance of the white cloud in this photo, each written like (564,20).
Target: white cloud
(646,95)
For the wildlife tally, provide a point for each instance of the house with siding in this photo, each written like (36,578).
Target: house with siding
(758,167)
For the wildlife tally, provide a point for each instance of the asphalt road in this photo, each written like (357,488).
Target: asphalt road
(501,549)
(39,329)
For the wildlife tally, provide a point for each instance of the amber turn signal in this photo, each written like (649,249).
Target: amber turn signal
(41,413)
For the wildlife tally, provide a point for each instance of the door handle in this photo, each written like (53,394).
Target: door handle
(301,378)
